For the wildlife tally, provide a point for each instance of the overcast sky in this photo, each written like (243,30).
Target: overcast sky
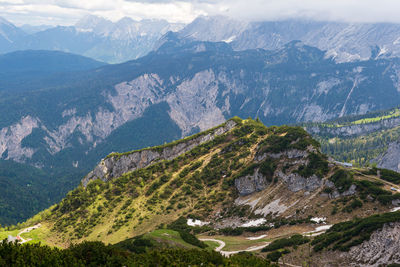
(67,12)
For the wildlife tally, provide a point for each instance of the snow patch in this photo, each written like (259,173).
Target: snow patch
(230,39)
(395,209)
(318,220)
(320,229)
(192,222)
(382,51)
(254,222)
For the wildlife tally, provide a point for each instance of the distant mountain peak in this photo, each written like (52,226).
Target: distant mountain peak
(91,23)
(90,19)
(3,21)
(126,20)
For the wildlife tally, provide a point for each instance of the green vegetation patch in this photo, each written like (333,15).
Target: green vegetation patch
(317,165)
(285,138)
(292,241)
(280,247)
(183,229)
(342,180)
(390,176)
(99,254)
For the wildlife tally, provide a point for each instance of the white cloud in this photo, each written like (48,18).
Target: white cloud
(337,10)
(69,11)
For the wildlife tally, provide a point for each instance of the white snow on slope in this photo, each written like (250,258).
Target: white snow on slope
(254,222)
(192,222)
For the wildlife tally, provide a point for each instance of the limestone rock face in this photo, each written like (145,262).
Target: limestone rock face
(295,182)
(335,194)
(382,248)
(12,136)
(390,159)
(357,129)
(115,166)
(251,183)
(256,182)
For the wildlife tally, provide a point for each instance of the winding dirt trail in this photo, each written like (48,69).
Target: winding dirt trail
(228,253)
(27,230)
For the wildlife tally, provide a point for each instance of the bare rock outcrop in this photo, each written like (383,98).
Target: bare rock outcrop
(383,248)
(356,129)
(296,182)
(251,183)
(390,159)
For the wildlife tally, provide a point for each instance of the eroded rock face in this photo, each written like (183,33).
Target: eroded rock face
(335,194)
(295,182)
(194,103)
(257,182)
(115,166)
(390,159)
(382,248)
(354,130)
(251,183)
(12,136)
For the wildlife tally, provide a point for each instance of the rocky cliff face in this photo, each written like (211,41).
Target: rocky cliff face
(12,136)
(116,165)
(354,130)
(256,182)
(249,184)
(390,159)
(383,248)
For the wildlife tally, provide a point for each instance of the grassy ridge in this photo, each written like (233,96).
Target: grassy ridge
(198,182)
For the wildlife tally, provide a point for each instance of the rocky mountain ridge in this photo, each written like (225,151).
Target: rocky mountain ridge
(92,36)
(115,165)
(345,42)
(127,39)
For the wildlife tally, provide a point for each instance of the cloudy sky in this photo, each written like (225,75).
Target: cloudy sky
(67,12)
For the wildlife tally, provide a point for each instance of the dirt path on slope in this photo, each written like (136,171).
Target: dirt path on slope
(228,253)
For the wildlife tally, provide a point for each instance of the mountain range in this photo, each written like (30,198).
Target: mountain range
(127,39)
(183,87)
(92,36)
(345,42)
